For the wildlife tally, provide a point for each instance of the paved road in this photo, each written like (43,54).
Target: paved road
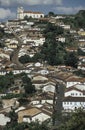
(15,59)
(58,104)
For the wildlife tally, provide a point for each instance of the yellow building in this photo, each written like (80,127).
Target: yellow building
(82,33)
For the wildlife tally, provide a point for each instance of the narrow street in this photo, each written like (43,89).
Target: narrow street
(58,103)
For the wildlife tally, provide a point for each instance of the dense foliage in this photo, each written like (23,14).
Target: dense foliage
(6,81)
(29,88)
(53,51)
(25,126)
(71,59)
(80,19)
(25,59)
(76,21)
(75,122)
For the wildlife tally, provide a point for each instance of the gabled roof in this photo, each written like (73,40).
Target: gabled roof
(39,77)
(73,88)
(63,75)
(74,99)
(50,83)
(32,111)
(75,79)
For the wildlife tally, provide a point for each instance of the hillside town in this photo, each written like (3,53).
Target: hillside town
(36,88)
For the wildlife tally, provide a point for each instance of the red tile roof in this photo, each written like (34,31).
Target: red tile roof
(32,12)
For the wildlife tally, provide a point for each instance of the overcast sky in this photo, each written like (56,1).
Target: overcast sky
(8,7)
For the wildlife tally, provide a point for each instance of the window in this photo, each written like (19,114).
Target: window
(72,94)
(75,103)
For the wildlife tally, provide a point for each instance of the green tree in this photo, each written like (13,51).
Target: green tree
(6,81)
(28,126)
(71,59)
(14,117)
(25,59)
(51,14)
(37,126)
(76,121)
(80,52)
(55,30)
(29,88)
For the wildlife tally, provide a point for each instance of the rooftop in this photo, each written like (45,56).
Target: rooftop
(28,112)
(74,99)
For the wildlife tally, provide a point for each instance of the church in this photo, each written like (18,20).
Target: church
(21,14)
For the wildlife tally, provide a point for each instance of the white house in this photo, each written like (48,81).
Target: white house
(4,55)
(39,80)
(4,120)
(21,14)
(81,67)
(9,103)
(66,27)
(41,117)
(41,102)
(37,41)
(73,80)
(71,103)
(61,39)
(32,114)
(60,17)
(49,87)
(82,58)
(80,87)
(74,92)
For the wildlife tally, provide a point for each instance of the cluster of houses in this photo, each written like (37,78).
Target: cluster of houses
(43,76)
(41,104)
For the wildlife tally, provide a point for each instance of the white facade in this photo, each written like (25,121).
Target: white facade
(61,39)
(66,27)
(19,109)
(81,67)
(72,103)
(3,55)
(72,83)
(37,102)
(80,86)
(69,106)
(38,41)
(15,71)
(49,88)
(4,120)
(21,14)
(41,117)
(74,93)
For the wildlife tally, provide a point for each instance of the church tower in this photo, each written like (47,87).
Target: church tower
(20,13)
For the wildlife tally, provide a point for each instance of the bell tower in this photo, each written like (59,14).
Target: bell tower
(20,13)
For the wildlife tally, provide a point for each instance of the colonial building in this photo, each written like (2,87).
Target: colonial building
(74,92)
(72,103)
(21,14)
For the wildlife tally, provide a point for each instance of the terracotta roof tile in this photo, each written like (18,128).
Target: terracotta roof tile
(32,12)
